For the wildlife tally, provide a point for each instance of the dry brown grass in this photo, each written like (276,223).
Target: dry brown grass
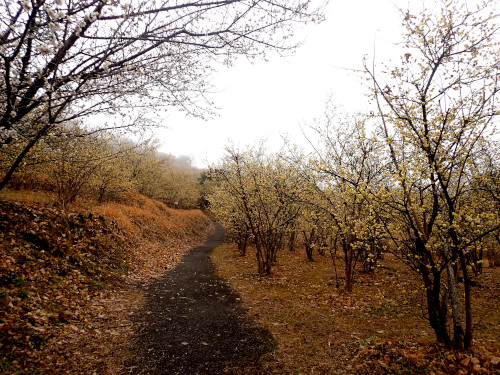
(322,330)
(81,320)
(47,198)
(160,234)
(154,219)
(28,196)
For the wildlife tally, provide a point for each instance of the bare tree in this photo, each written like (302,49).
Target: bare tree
(66,59)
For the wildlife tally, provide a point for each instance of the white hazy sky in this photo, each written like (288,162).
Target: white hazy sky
(265,100)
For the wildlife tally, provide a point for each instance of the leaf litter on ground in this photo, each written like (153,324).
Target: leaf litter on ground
(378,329)
(67,279)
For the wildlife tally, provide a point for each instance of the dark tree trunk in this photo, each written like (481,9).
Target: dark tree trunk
(13,167)
(309,251)
(291,242)
(242,242)
(349,272)
(467,344)
(436,308)
(308,244)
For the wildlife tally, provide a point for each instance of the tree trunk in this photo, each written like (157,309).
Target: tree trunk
(22,155)
(437,311)
(260,257)
(467,302)
(458,331)
(349,272)
(291,241)
(308,245)
(309,252)
(242,243)
(333,253)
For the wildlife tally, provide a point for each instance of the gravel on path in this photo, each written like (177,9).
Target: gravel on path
(194,323)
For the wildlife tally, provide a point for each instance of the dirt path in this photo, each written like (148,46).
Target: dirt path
(194,323)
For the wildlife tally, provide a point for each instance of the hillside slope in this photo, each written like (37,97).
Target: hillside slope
(64,275)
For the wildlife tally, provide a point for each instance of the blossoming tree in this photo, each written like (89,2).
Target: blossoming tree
(63,59)
(437,108)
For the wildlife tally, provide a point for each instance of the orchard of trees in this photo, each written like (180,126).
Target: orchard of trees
(111,64)
(104,166)
(81,77)
(418,177)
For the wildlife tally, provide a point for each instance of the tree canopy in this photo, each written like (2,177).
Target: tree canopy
(63,60)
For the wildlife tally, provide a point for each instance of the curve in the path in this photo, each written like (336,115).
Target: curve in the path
(194,323)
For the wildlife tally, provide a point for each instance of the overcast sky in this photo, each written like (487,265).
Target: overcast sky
(265,100)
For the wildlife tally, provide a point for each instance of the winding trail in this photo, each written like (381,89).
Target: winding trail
(194,323)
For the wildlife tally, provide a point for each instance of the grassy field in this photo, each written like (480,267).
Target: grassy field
(378,329)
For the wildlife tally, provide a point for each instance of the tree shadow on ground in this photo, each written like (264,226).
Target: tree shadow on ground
(194,323)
